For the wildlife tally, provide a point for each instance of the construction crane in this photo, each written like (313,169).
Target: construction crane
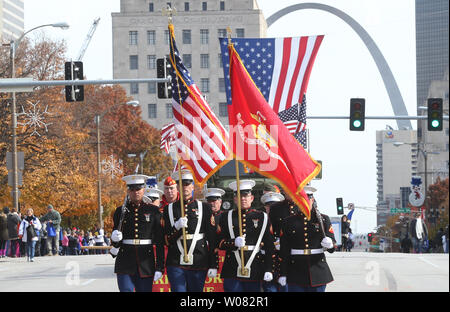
(88,39)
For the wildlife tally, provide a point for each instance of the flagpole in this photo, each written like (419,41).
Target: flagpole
(244,271)
(169,12)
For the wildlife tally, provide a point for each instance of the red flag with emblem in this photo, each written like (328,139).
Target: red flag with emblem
(261,141)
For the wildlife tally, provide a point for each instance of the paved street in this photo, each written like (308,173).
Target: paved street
(353,272)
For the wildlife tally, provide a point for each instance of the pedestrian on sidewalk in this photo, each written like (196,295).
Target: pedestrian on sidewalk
(53,220)
(3,231)
(13,221)
(29,231)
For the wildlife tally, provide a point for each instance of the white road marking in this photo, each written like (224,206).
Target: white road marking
(429,262)
(87,282)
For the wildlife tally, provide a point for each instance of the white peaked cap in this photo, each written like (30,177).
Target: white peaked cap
(214,192)
(309,189)
(185,175)
(135,179)
(153,192)
(271,197)
(244,185)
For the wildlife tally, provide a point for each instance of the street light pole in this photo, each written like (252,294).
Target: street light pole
(12,52)
(98,118)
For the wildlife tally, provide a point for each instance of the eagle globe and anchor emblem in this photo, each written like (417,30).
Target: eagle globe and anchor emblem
(416,198)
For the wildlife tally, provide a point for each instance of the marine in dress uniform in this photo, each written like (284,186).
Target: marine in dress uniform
(271,199)
(302,246)
(256,235)
(201,239)
(171,194)
(214,198)
(153,194)
(137,229)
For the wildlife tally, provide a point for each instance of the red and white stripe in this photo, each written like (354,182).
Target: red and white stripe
(167,137)
(201,138)
(294,58)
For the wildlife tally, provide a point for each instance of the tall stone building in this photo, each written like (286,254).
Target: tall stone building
(11,19)
(141,36)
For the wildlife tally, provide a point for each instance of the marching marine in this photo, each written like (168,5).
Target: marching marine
(187,268)
(137,229)
(277,208)
(302,245)
(245,274)
(214,198)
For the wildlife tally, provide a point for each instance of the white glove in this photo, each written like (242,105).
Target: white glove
(282,280)
(114,251)
(277,244)
(212,273)
(239,242)
(116,236)
(268,276)
(327,243)
(181,223)
(157,276)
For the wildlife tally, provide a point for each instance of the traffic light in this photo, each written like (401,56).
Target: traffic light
(357,114)
(340,206)
(74,71)
(435,114)
(369,237)
(163,70)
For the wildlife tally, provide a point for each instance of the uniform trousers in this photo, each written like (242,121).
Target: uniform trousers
(134,283)
(298,288)
(182,280)
(234,285)
(273,286)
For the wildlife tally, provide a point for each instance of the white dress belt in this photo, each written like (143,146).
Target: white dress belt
(137,241)
(306,251)
(197,236)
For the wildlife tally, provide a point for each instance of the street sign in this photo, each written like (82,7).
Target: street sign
(400,210)
(20,161)
(19,178)
(351,206)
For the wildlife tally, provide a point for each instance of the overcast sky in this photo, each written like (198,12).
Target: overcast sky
(343,69)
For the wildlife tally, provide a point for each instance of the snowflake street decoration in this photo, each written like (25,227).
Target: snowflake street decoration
(112,166)
(34,118)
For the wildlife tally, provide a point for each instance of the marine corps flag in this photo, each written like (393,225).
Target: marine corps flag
(261,141)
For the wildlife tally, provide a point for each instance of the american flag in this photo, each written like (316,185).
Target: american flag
(167,137)
(280,67)
(294,118)
(201,139)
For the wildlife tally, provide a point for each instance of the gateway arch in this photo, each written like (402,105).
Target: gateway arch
(388,78)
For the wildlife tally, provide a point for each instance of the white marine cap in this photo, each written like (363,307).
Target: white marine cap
(214,192)
(245,185)
(185,175)
(309,189)
(135,179)
(271,197)
(153,192)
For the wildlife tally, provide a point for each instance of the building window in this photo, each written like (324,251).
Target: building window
(133,62)
(204,36)
(151,7)
(151,87)
(220,60)
(204,85)
(169,111)
(221,84)
(204,60)
(221,33)
(223,110)
(151,37)
(186,36)
(152,111)
(151,61)
(166,37)
(222,5)
(204,6)
(187,60)
(240,32)
(133,36)
(186,6)
(134,88)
